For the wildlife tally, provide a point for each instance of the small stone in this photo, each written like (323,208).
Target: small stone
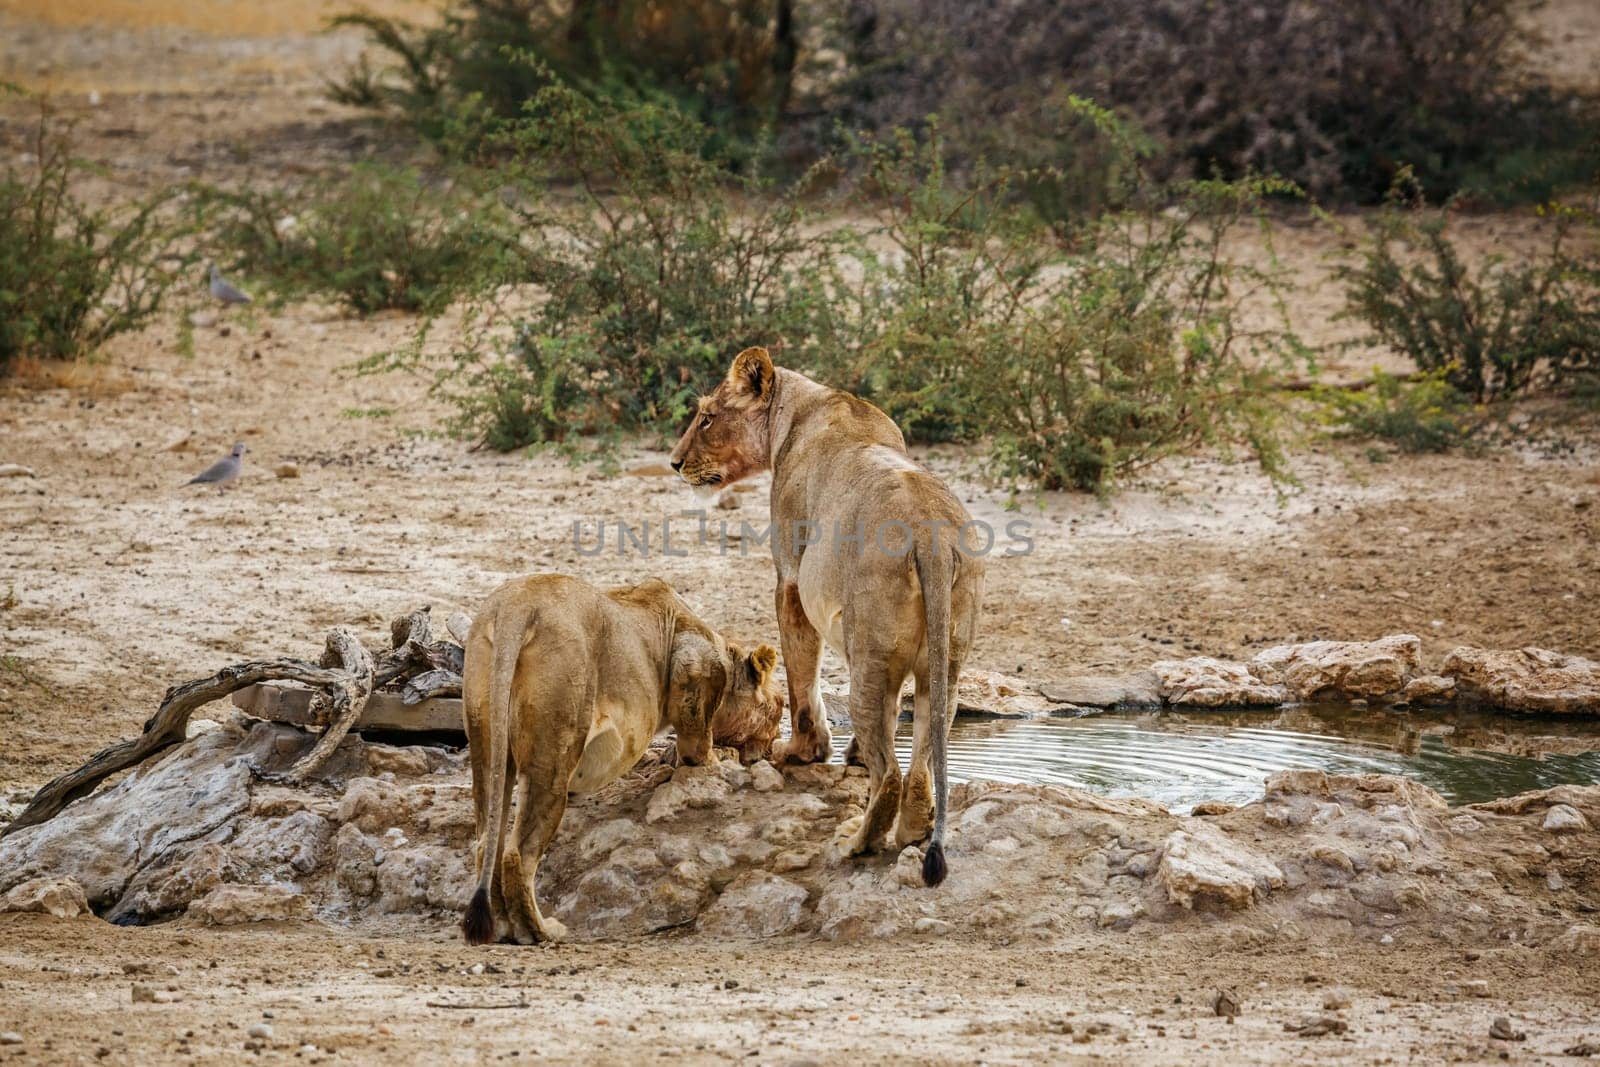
(259,1031)
(765,777)
(1502,1030)
(287,470)
(1213,807)
(730,983)
(929,925)
(1564,818)
(1317,1026)
(1475,987)
(10,1037)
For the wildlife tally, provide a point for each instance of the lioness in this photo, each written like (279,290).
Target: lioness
(567,684)
(867,546)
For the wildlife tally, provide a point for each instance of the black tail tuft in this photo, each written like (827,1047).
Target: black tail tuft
(933,868)
(478,926)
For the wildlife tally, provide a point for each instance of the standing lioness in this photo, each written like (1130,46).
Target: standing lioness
(868,551)
(566,684)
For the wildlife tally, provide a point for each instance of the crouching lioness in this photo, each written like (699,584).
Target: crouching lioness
(872,558)
(566,684)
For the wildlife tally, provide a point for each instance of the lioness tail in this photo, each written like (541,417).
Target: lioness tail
(936,572)
(510,630)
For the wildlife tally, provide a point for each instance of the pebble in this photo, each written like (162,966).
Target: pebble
(260,1031)
(929,925)
(10,1037)
(1502,1030)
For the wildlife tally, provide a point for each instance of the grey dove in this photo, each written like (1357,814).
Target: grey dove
(223,290)
(225,471)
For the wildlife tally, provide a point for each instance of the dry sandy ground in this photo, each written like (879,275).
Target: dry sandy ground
(116,581)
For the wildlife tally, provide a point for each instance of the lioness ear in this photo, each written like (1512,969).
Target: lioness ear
(761,662)
(750,377)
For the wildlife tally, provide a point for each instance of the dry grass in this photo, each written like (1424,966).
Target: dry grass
(87,378)
(230,18)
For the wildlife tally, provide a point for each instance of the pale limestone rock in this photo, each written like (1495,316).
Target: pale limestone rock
(756,904)
(607,837)
(1527,679)
(688,788)
(1141,689)
(1581,939)
(1201,681)
(765,777)
(1203,862)
(931,926)
(1341,670)
(229,905)
(1564,819)
(51,894)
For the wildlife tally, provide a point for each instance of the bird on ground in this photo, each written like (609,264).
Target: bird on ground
(225,471)
(224,290)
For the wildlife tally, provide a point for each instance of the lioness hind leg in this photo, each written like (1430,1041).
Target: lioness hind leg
(874,709)
(916,796)
(540,805)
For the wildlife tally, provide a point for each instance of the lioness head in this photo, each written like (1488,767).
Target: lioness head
(729,438)
(732,690)
(753,706)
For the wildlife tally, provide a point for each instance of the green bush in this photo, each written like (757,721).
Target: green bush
(375,238)
(1079,363)
(655,271)
(1493,332)
(72,276)
(1426,414)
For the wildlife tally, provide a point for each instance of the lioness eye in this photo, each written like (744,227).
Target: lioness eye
(705,422)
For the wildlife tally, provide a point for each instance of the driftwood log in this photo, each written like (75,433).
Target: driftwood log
(344,680)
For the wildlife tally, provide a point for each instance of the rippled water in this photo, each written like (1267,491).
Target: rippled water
(1179,760)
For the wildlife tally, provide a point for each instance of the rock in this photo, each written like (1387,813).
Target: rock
(793,860)
(689,787)
(981,692)
(1202,861)
(51,894)
(16,470)
(908,867)
(1213,807)
(1475,987)
(229,905)
(1335,999)
(1581,939)
(1341,670)
(260,1031)
(1430,689)
(287,470)
(1356,671)
(932,926)
(1502,1030)
(1564,819)
(1226,1002)
(1528,679)
(765,777)
(756,904)
(1317,1025)
(1141,689)
(10,1037)
(1212,683)
(407,762)
(104,841)
(143,994)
